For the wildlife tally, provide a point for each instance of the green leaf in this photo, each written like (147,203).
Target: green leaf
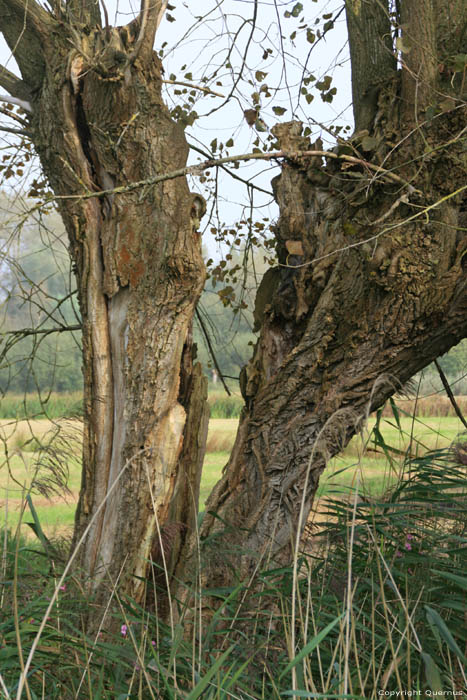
(310,36)
(260,75)
(369,143)
(432,673)
(308,648)
(435,619)
(460,62)
(37,526)
(460,580)
(297,9)
(279,110)
(203,683)
(229,143)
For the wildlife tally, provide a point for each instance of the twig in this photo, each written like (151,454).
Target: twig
(453,401)
(24,332)
(193,87)
(211,351)
(214,163)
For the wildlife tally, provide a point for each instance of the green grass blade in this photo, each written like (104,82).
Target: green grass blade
(308,648)
(203,683)
(435,619)
(461,581)
(37,525)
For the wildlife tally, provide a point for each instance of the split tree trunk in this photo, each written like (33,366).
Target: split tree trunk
(99,122)
(376,290)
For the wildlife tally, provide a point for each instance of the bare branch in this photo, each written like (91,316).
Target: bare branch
(206,90)
(16,101)
(383,173)
(26,28)
(14,85)
(25,332)
(151,14)
(17,132)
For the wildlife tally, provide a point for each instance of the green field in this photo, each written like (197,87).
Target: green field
(362,462)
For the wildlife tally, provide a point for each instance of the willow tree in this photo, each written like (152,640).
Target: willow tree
(369,286)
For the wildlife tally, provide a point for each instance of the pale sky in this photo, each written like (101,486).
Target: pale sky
(199,47)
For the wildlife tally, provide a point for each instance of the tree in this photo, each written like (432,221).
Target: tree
(369,286)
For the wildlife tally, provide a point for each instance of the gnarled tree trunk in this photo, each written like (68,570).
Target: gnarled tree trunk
(370,287)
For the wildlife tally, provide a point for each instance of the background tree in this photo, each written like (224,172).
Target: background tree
(370,285)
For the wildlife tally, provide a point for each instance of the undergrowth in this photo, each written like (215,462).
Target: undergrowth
(375,607)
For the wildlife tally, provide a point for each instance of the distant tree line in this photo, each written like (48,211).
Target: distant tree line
(36,293)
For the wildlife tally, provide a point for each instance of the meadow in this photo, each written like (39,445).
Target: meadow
(374,463)
(370,606)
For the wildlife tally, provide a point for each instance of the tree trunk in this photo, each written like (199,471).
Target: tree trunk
(370,285)
(378,292)
(98,123)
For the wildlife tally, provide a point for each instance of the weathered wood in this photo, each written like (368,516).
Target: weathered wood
(140,272)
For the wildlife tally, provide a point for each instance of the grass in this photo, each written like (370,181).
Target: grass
(371,605)
(375,611)
(362,458)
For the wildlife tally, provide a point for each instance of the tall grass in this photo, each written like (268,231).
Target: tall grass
(51,405)
(381,606)
(69,405)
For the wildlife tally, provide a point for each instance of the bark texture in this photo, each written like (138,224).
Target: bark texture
(377,291)
(98,121)
(370,285)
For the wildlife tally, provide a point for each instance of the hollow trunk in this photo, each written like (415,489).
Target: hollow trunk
(140,272)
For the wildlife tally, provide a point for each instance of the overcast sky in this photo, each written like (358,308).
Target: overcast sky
(275,38)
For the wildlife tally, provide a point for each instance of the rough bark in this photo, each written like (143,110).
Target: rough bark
(376,291)
(98,121)
(373,61)
(379,292)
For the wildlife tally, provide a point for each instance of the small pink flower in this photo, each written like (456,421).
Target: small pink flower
(398,554)
(410,536)
(63,588)
(124,630)
(408,546)
(153,643)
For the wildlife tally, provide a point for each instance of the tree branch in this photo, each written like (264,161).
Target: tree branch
(16,101)
(150,17)
(383,173)
(371,54)
(26,29)
(17,132)
(25,332)
(14,85)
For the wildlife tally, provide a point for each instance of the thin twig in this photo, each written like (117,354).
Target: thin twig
(453,401)
(211,351)
(24,332)
(194,87)
(214,163)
